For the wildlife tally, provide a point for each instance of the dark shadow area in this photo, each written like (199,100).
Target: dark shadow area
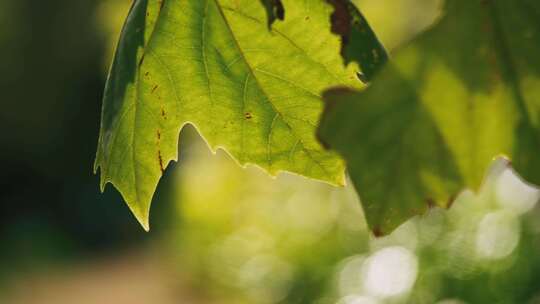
(52,78)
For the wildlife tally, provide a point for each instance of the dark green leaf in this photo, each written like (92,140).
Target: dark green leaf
(461,94)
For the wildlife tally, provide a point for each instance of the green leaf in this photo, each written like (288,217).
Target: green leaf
(215,64)
(461,94)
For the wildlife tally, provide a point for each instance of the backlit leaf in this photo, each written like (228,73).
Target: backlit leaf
(215,64)
(461,94)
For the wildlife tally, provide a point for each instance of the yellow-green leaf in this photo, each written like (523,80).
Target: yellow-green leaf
(250,90)
(459,95)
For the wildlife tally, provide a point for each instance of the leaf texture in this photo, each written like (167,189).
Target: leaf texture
(215,64)
(433,119)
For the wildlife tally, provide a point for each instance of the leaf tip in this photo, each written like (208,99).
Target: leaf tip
(377,232)
(145,225)
(102,179)
(141,211)
(143,217)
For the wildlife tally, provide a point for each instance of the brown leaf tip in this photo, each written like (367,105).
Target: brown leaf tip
(377,232)
(430,203)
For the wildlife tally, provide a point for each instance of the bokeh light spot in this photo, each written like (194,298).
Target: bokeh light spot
(350,279)
(390,272)
(497,235)
(514,194)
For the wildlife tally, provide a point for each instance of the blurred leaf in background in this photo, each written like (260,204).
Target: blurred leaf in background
(253,239)
(432,120)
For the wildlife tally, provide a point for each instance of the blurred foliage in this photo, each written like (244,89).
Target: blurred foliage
(247,238)
(221,234)
(432,120)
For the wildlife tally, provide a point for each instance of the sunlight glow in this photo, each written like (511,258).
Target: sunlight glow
(498,235)
(514,194)
(390,272)
(266,278)
(350,279)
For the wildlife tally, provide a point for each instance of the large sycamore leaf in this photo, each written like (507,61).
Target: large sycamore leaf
(248,89)
(432,120)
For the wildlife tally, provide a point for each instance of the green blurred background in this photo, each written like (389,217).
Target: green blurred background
(220,234)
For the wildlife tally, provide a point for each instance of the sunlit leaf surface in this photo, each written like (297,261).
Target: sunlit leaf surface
(459,95)
(252,91)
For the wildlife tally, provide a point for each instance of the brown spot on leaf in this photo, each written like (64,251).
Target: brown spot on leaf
(141,61)
(154,88)
(160,159)
(163,113)
(377,232)
(341,19)
(160,162)
(248,115)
